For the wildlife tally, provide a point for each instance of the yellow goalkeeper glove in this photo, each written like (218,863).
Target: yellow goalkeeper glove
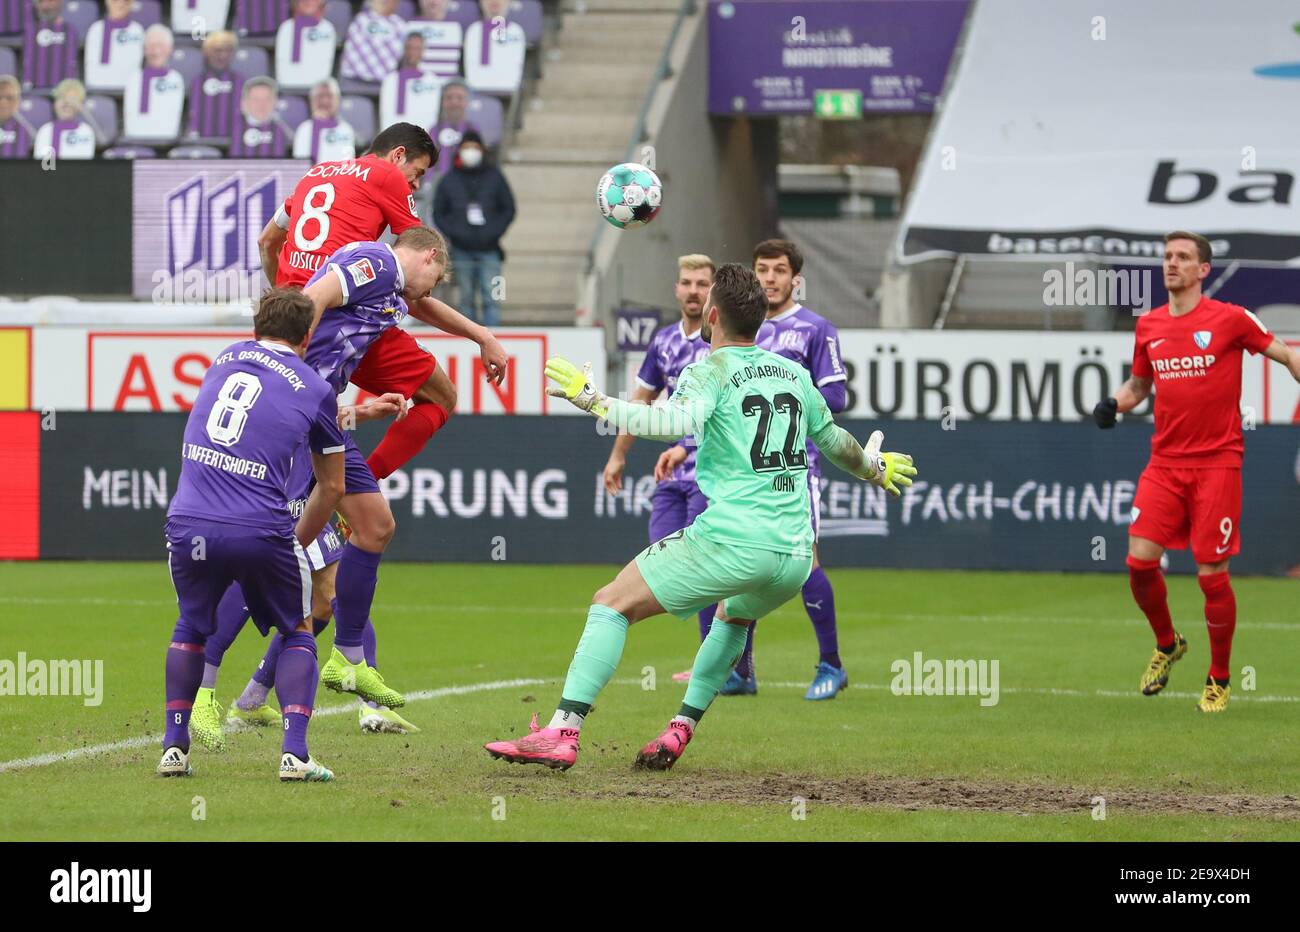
(887,470)
(574,385)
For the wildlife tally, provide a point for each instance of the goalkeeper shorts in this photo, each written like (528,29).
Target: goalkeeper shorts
(688,572)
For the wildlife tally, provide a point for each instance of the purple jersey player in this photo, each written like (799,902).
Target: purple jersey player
(229,520)
(358,293)
(793,331)
(677,499)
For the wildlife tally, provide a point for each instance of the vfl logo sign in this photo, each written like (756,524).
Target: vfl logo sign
(1202,338)
(212,221)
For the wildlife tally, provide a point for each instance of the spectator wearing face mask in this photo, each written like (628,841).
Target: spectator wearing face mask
(473,208)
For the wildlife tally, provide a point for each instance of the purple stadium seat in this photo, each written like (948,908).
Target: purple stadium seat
(488,115)
(339,12)
(360,112)
(251,61)
(195,152)
(104,111)
(189,62)
(528,13)
(9,62)
(407,9)
(464,11)
(130,152)
(147,12)
(38,109)
(364,88)
(81,13)
(293,110)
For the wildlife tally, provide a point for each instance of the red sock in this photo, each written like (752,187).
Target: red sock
(1148,585)
(406,438)
(1220,620)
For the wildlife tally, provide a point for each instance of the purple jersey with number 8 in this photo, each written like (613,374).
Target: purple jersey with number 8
(258,404)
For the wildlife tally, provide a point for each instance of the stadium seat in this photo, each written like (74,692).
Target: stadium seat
(464,11)
(360,112)
(407,9)
(293,110)
(339,12)
(104,112)
(147,12)
(80,14)
(364,88)
(249,62)
(487,113)
(528,13)
(130,152)
(9,62)
(188,61)
(195,152)
(37,109)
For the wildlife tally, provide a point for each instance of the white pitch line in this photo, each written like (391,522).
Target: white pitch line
(42,760)
(579,611)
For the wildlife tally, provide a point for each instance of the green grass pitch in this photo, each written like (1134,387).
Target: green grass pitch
(483,647)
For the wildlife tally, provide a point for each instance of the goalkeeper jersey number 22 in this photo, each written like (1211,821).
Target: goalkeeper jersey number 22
(757,412)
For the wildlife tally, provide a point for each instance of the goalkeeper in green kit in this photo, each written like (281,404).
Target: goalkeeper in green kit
(751,413)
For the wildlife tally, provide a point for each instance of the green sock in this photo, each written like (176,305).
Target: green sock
(713,663)
(597,656)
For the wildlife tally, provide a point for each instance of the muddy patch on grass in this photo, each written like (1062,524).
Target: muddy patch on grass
(895,792)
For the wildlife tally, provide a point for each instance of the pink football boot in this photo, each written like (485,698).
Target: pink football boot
(557,748)
(662,752)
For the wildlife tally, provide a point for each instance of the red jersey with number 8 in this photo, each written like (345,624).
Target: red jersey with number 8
(337,203)
(1194,362)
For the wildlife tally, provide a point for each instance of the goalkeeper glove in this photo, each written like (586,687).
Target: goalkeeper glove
(1104,413)
(575,386)
(887,470)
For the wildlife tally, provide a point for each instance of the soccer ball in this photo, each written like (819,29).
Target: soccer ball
(629,195)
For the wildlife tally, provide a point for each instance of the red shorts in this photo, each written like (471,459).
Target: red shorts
(394,363)
(1174,507)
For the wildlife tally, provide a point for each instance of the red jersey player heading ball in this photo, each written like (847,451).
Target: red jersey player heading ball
(1190,351)
(354,200)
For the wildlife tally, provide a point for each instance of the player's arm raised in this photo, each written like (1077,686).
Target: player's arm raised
(890,471)
(449,320)
(1288,356)
(623,443)
(685,413)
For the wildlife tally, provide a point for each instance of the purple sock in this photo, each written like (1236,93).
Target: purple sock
(295,684)
(355,591)
(184,674)
(706,621)
(368,645)
(745,665)
(265,672)
(231,616)
(819,600)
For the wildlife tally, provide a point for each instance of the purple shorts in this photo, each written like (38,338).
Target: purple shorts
(205,557)
(357,476)
(676,504)
(327,548)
